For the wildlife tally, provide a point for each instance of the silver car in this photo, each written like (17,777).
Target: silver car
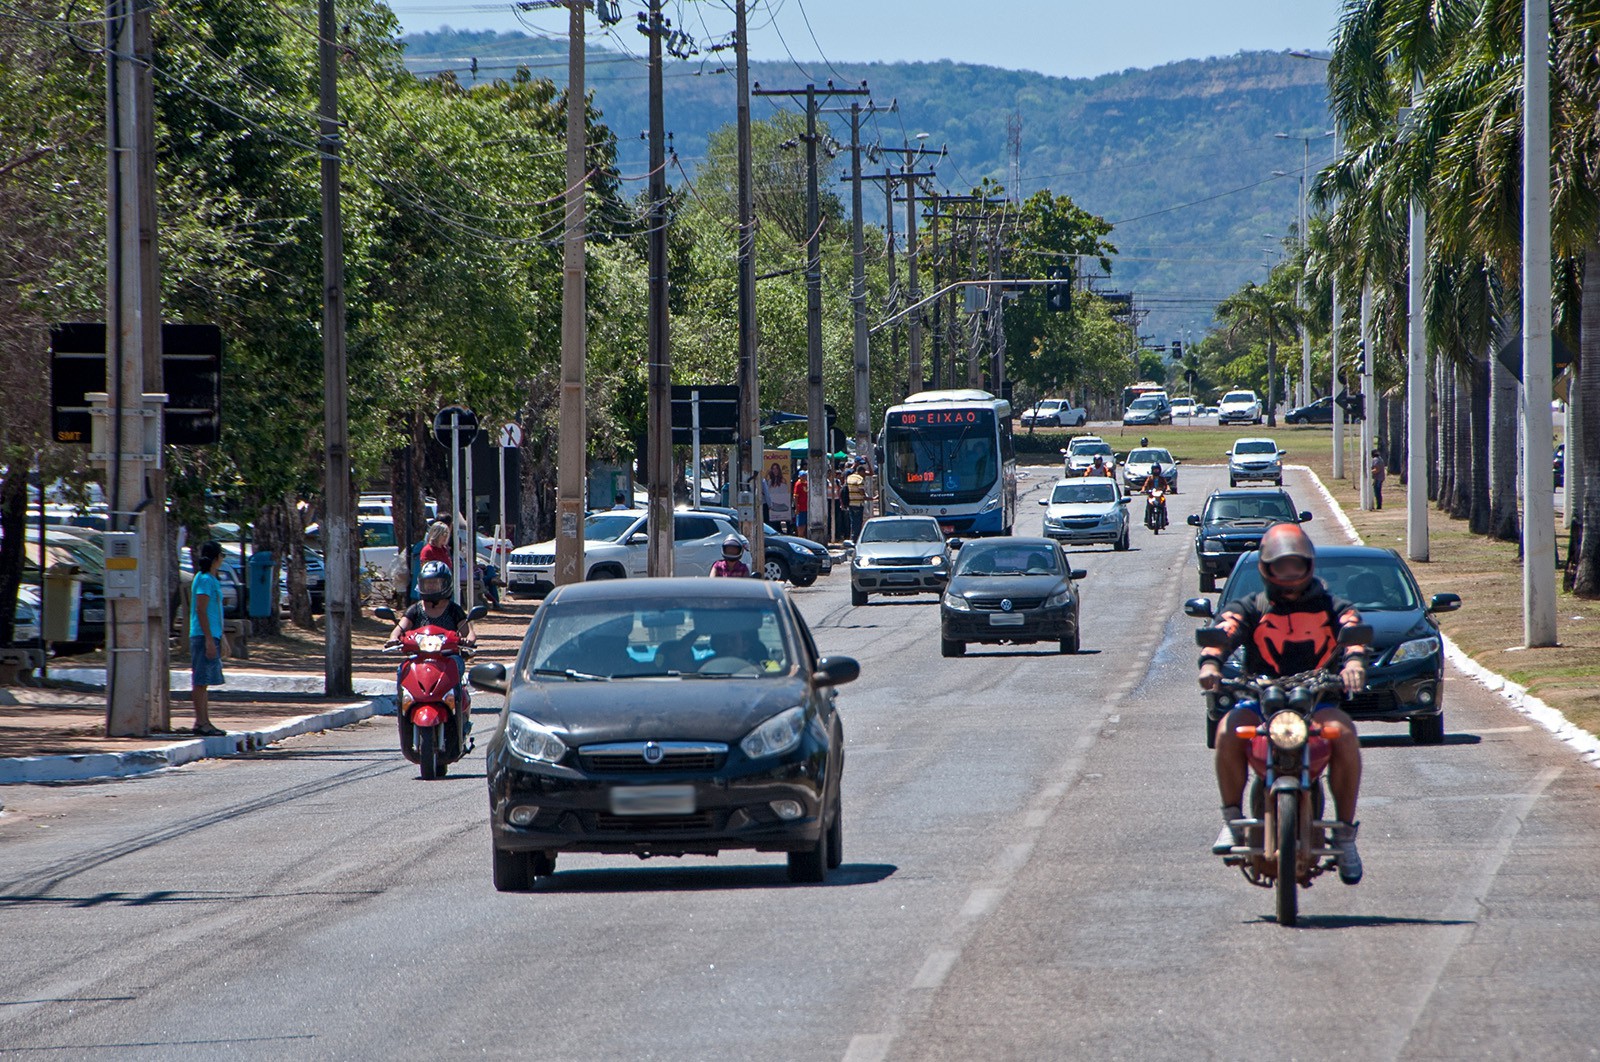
(1255,460)
(899,555)
(1086,512)
(1143,462)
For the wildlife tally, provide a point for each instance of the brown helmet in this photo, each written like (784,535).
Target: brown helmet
(1286,540)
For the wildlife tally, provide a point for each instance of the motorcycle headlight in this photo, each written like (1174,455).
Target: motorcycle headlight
(430,643)
(1059,598)
(533,742)
(1415,649)
(1287,730)
(956,603)
(777,735)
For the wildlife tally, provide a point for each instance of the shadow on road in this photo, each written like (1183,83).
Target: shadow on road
(705,879)
(1403,741)
(1362,921)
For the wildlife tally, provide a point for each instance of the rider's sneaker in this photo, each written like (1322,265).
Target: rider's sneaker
(1231,836)
(1344,839)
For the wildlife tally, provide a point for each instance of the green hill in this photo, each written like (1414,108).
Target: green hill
(1167,153)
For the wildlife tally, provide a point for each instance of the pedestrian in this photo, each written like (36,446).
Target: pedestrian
(800,501)
(836,503)
(205,636)
(621,502)
(855,485)
(1380,472)
(766,500)
(437,544)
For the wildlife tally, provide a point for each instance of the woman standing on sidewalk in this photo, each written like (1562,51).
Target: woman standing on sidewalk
(205,636)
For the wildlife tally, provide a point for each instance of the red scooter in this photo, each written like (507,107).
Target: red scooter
(435,706)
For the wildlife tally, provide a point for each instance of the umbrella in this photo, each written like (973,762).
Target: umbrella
(798,444)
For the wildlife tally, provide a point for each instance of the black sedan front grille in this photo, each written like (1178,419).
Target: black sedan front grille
(1018,604)
(605,822)
(1373,702)
(633,763)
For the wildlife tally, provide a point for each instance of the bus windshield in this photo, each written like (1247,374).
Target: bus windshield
(958,461)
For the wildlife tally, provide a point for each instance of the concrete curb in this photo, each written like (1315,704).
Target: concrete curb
(239,681)
(1587,745)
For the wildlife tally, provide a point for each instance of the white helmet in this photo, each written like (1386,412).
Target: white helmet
(733,547)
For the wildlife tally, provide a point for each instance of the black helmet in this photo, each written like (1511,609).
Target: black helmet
(1286,540)
(434,582)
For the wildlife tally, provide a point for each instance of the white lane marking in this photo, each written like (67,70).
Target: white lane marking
(1035,818)
(936,967)
(1012,859)
(1465,906)
(868,1047)
(981,902)
(1501,730)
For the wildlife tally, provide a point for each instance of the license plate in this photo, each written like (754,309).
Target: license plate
(652,800)
(1004,619)
(94,615)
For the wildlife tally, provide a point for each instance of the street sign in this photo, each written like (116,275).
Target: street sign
(466,426)
(719,414)
(510,436)
(1510,355)
(191,370)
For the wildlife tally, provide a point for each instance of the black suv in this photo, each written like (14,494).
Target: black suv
(1232,523)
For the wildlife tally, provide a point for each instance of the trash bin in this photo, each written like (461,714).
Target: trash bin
(260,585)
(62,589)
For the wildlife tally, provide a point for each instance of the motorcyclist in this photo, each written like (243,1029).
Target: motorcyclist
(436,609)
(1290,627)
(1099,467)
(732,564)
(1154,491)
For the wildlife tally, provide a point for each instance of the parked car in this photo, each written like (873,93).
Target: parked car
(1255,460)
(1055,413)
(1010,590)
(1143,462)
(1186,408)
(1232,524)
(899,555)
(1081,452)
(1239,407)
(25,617)
(614,547)
(1087,511)
(1318,412)
(792,558)
(1560,468)
(1405,670)
(613,742)
(1148,409)
(232,594)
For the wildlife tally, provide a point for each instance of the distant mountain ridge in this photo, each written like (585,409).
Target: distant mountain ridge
(1134,146)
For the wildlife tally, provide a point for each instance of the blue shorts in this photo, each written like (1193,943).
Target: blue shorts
(204,671)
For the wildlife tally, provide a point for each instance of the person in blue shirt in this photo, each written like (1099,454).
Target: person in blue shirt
(205,635)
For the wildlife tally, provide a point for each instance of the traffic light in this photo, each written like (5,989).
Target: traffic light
(1177,350)
(1058,293)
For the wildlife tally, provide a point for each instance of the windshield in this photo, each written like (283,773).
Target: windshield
(929,458)
(1009,558)
(1267,507)
(1257,446)
(1049,405)
(900,531)
(1373,583)
(1239,396)
(1090,450)
(607,527)
(1146,457)
(1083,493)
(1146,403)
(656,638)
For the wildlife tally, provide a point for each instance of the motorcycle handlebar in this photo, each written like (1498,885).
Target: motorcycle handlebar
(1320,680)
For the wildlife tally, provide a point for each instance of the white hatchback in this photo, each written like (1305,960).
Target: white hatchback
(615,546)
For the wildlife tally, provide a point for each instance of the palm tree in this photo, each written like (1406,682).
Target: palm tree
(1268,313)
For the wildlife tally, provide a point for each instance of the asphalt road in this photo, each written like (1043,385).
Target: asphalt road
(1027,875)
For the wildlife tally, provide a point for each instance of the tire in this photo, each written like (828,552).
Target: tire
(949,647)
(1287,888)
(836,835)
(858,597)
(776,569)
(1122,544)
(429,757)
(810,866)
(1278,482)
(1211,731)
(1208,583)
(541,864)
(597,574)
(1427,729)
(1232,482)
(513,871)
(1070,645)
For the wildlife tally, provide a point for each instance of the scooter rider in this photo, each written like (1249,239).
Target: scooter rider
(1290,627)
(732,563)
(435,582)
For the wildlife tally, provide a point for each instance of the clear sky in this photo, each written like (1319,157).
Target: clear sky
(1067,38)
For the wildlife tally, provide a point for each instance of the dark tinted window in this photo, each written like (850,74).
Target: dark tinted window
(691,528)
(1009,558)
(1375,582)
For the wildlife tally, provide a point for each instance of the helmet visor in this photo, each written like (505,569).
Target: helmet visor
(432,585)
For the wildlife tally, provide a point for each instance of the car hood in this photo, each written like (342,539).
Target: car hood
(874,550)
(1005,585)
(1389,629)
(1144,467)
(655,709)
(1067,510)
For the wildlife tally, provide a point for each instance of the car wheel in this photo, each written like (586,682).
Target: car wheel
(542,864)
(513,871)
(810,865)
(1069,646)
(1427,729)
(1278,482)
(597,574)
(1232,482)
(1208,583)
(950,647)
(776,568)
(858,597)
(1122,544)
(803,580)
(836,835)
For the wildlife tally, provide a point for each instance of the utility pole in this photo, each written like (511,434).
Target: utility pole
(1369,397)
(338,533)
(938,285)
(659,473)
(908,176)
(572,446)
(749,380)
(816,423)
(1538,482)
(890,177)
(1417,377)
(137,699)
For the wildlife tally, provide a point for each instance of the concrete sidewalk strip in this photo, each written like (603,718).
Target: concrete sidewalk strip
(1587,745)
(239,681)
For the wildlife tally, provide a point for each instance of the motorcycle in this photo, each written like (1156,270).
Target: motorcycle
(1287,837)
(435,706)
(1155,510)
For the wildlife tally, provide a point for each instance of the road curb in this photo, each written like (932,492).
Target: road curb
(1586,745)
(27,770)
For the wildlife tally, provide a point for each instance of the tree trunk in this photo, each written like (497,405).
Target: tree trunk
(1586,581)
(13,532)
(1461,435)
(1444,455)
(1478,449)
(1396,454)
(1272,383)
(1435,435)
(1504,425)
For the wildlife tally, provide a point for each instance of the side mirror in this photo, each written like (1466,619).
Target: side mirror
(1358,634)
(384,612)
(1198,607)
(639,538)
(1305,516)
(478,612)
(1444,602)
(835,671)
(1283,453)
(488,677)
(1079,573)
(1124,500)
(954,543)
(1194,519)
(1044,501)
(1212,638)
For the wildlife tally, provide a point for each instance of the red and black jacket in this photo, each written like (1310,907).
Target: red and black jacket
(1287,637)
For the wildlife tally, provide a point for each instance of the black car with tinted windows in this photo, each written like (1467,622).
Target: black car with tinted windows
(792,558)
(666,717)
(1232,523)
(1009,591)
(1405,670)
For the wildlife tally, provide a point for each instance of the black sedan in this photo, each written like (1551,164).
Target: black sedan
(1009,591)
(666,717)
(1318,412)
(1405,673)
(793,559)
